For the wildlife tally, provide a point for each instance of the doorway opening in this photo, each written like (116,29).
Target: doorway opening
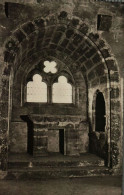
(100,120)
(61,141)
(56,141)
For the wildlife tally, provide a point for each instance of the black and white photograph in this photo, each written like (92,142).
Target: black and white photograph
(61,97)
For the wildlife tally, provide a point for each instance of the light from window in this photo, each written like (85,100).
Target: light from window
(36,90)
(50,67)
(62,91)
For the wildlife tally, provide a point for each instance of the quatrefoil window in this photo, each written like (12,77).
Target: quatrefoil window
(50,67)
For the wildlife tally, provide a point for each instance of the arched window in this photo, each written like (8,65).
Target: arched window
(36,90)
(62,91)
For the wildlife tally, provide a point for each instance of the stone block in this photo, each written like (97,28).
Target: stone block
(75,56)
(71,47)
(101,44)
(18,137)
(3,126)
(83,28)
(30,52)
(11,46)
(100,70)
(50,21)
(72,135)
(93,37)
(115,154)
(8,57)
(96,58)
(67,51)
(91,52)
(115,77)
(103,79)
(61,49)
(7,70)
(115,93)
(111,65)
(40,151)
(40,22)
(77,39)
(49,31)
(95,82)
(41,35)
(115,132)
(82,59)
(38,132)
(24,45)
(20,36)
(104,22)
(69,33)
(52,46)
(84,48)
(83,137)
(89,64)
(53,140)
(115,106)
(61,28)
(81,49)
(45,42)
(64,43)
(91,75)
(63,15)
(75,22)
(4,109)
(83,69)
(40,141)
(105,53)
(28,28)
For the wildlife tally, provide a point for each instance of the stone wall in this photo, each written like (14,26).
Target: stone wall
(18,137)
(72,33)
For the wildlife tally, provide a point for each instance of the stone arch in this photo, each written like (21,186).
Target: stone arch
(97,64)
(106,97)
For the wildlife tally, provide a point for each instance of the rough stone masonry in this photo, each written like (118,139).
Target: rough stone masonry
(85,39)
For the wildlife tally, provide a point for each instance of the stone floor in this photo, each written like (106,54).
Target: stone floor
(107,185)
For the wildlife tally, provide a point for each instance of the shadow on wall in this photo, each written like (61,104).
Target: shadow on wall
(29,133)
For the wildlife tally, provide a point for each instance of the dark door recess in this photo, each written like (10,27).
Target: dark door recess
(100,113)
(61,141)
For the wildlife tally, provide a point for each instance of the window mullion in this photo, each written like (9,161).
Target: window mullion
(49,94)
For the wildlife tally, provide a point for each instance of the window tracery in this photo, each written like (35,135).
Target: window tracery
(50,67)
(55,89)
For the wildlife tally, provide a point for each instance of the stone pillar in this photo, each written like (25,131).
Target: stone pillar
(84,137)
(72,138)
(40,139)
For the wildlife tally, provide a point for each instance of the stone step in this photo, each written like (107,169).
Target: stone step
(59,163)
(56,172)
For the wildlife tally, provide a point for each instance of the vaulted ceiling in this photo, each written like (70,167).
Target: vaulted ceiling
(60,38)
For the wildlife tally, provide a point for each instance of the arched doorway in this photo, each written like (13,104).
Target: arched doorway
(100,112)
